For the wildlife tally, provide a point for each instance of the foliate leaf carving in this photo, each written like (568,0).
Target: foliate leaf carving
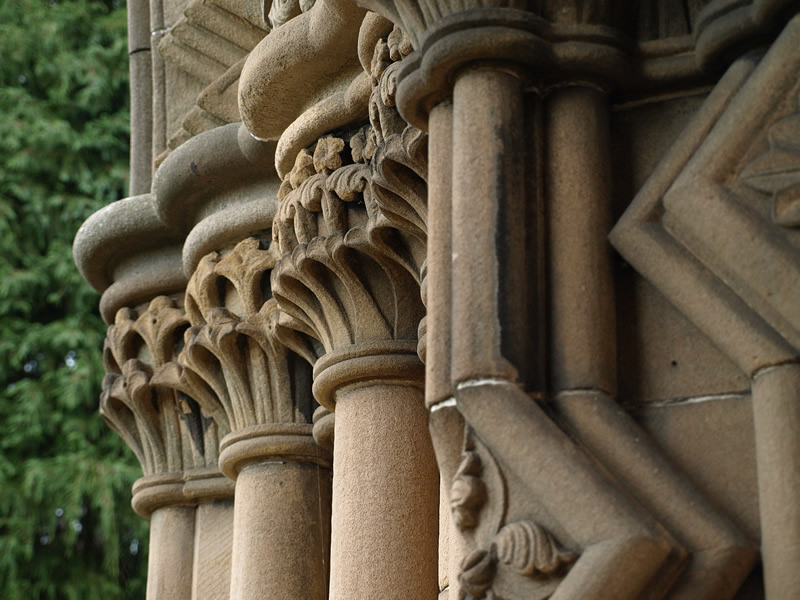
(236,281)
(777,170)
(530,549)
(399,44)
(477,574)
(468,491)
(302,170)
(351,226)
(150,336)
(143,413)
(525,546)
(233,356)
(191,393)
(417,16)
(327,156)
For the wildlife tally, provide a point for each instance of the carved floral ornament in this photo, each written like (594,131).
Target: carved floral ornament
(371,202)
(143,414)
(177,446)
(209,371)
(351,227)
(776,171)
(527,548)
(522,548)
(363,195)
(232,363)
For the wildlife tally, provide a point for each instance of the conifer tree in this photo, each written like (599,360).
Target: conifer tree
(66,526)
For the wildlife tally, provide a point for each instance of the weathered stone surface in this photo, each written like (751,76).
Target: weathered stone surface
(581,216)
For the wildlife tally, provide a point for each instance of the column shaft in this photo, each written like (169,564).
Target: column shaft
(169,567)
(489,271)
(776,413)
(582,318)
(385,497)
(141,87)
(280,531)
(439,255)
(213,540)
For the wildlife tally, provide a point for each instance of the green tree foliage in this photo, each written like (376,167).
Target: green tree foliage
(66,527)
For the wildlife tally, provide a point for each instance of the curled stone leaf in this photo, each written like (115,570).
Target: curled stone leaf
(302,170)
(327,154)
(477,573)
(468,491)
(530,549)
(399,44)
(380,60)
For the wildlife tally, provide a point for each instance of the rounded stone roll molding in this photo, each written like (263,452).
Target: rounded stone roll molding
(273,442)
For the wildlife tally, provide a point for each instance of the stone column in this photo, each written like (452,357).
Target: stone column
(530,198)
(213,531)
(281,518)
(141,86)
(177,449)
(445,422)
(385,485)
(776,413)
(259,394)
(348,286)
(172,523)
(172,444)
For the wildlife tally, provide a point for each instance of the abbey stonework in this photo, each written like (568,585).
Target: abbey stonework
(459,300)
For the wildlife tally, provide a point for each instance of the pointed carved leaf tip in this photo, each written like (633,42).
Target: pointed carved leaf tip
(776,171)
(233,355)
(142,411)
(234,281)
(120,417)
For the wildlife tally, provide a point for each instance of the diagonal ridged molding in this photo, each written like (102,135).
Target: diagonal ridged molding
(727,267)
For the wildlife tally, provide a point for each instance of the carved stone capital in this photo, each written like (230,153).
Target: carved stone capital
(145,415)
(352,232)
(597,42)
(230,347)
(175,444)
